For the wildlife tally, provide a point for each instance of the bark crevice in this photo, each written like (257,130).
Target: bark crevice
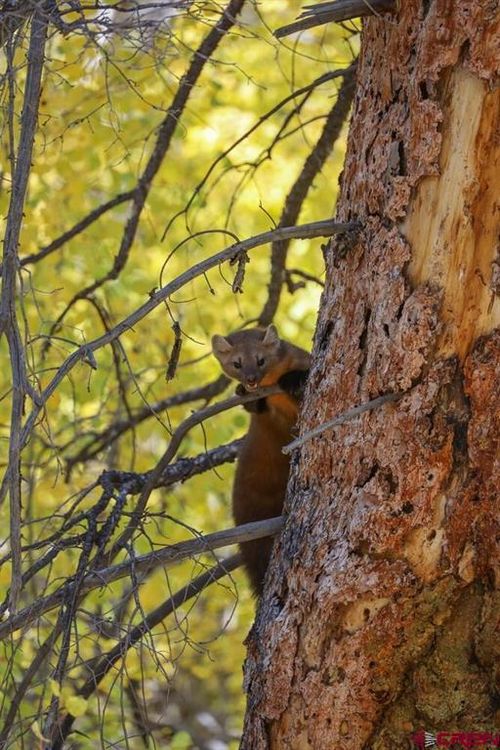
(388,555)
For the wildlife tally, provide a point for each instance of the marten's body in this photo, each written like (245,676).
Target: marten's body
(257,358)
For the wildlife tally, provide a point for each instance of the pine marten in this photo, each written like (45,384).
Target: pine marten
(258,357)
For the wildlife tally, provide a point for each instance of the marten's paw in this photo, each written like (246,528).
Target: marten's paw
(294,383)
(254,407)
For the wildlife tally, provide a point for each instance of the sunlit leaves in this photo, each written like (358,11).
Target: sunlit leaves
(103,102)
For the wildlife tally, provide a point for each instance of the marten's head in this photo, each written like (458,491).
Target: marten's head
(248,356)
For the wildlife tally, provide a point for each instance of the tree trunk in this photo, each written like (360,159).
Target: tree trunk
(380,609)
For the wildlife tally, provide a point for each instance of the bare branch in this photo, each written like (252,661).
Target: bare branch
(333,12)
(307,90)
(295,199)
(101,440)
(346,416)
(165,557)
(95,214)
(126,483)
(8,316)
(194,419)
(305,231)
(183,469)
(165,133)
(14,14)
(106,663)
(26,683)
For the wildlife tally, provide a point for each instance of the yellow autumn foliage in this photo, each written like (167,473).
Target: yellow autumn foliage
(102,104)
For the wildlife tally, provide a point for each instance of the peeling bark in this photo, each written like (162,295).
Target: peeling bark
(381,604)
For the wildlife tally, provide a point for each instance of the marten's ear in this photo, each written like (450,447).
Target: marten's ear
(220,345)
(271,337)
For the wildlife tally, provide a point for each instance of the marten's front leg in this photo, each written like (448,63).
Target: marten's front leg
(254,407)
(294,383)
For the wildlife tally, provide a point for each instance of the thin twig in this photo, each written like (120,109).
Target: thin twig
(118,354)
(25,684)
(198,417)
(80,226)
(333,12)
(295,198)
(67,614)
(346,416)
(154,618)
(307,89)
(165,557)
(8,317)
(166,131)
(101,440)
(305,231)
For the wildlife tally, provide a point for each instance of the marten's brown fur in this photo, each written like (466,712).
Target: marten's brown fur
(258,357)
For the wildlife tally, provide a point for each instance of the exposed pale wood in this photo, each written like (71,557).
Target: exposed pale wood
(379,611)
(453,220)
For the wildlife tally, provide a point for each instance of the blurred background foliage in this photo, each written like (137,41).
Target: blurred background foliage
(104,96)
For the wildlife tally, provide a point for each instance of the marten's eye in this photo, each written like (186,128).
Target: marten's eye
(237,365)
(260,361)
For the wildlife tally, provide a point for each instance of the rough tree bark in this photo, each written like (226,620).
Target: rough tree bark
(380,606)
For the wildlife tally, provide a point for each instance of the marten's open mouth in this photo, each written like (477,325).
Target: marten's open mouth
(251,386)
